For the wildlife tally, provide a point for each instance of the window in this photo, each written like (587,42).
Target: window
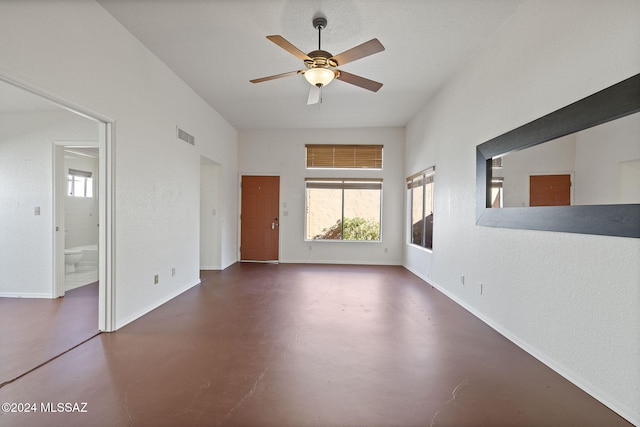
(343,209)
(325,156)
(80,183)
(496,192)
(420,197)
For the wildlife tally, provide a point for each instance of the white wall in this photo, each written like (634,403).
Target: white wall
(571,300)
(81,213)
(597,169)
(210,225)
(79,53)
(282,152)
(557,157)
(26,182)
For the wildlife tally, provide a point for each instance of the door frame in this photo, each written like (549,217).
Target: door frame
(239,235)
(106,214)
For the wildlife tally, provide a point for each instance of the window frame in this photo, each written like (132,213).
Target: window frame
(86,178)
(344,184)
(420,179)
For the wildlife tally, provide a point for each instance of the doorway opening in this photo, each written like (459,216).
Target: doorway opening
(210,215)
(39,325)
(77,200)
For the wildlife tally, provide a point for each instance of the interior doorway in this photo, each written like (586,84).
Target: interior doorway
(34,129)
(259,219)
(210,215)
(76,211)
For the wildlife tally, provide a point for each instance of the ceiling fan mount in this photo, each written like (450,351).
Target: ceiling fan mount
(321,65)
(319,22)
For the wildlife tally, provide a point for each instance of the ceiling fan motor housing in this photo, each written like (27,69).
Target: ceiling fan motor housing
(320,58)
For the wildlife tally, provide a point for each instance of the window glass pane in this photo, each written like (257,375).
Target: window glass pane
(420,189)
(361,214)
(89,189)
(428,212)
(324,213)
(343,209)
(78,186)
(417,224)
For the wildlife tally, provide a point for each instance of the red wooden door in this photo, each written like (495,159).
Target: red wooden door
(550,190)
(259,227)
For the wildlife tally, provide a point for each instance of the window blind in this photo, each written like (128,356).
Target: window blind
(421,178)
(76,172)
(344,156)
(345,184)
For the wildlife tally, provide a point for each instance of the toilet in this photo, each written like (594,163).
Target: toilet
(71,258)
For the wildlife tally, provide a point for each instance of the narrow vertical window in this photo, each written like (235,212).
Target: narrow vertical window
(420,188)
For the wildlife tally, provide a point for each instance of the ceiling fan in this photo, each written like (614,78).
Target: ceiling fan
(321,65)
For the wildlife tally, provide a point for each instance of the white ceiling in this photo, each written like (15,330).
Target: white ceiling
(217,46)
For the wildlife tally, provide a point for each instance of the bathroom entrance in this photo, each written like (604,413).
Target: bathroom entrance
(77,198)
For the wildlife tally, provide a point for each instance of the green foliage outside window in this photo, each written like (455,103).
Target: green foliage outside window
(353,229)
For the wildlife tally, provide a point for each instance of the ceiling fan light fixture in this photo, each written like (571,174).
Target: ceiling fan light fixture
(319,76)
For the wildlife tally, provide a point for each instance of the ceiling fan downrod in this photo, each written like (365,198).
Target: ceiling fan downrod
(320,23)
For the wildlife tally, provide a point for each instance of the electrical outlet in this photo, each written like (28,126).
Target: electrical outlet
(481,289)
(156,279)
(173,271)
(462,279)
(386,250)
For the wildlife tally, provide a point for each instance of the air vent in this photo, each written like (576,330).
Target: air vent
(184,136)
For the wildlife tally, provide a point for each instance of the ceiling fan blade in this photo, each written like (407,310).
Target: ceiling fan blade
(276,76)
(359,52)
(283,43)
(315,95)
(371,85)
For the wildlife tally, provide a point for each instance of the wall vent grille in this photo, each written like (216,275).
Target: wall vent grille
(185,136)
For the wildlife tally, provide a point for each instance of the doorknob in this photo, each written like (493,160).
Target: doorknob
(274,225)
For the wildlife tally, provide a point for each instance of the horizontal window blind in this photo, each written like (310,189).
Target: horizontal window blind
(76,172)
(350,184)
(344,156)
(421,178)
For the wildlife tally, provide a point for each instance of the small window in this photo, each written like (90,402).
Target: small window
(420,196)
(343,209)
(497,193)
(80,183)
(325,156)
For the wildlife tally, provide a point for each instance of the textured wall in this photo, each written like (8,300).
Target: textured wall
(78,53)
(283,153)
(26,182)
(571,300)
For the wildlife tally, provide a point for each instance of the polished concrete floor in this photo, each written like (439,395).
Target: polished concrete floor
(303,345)
(35,330)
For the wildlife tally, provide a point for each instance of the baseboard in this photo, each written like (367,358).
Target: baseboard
(601,396)
(24,295)
(342,262)
(214,267)
(123,322)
